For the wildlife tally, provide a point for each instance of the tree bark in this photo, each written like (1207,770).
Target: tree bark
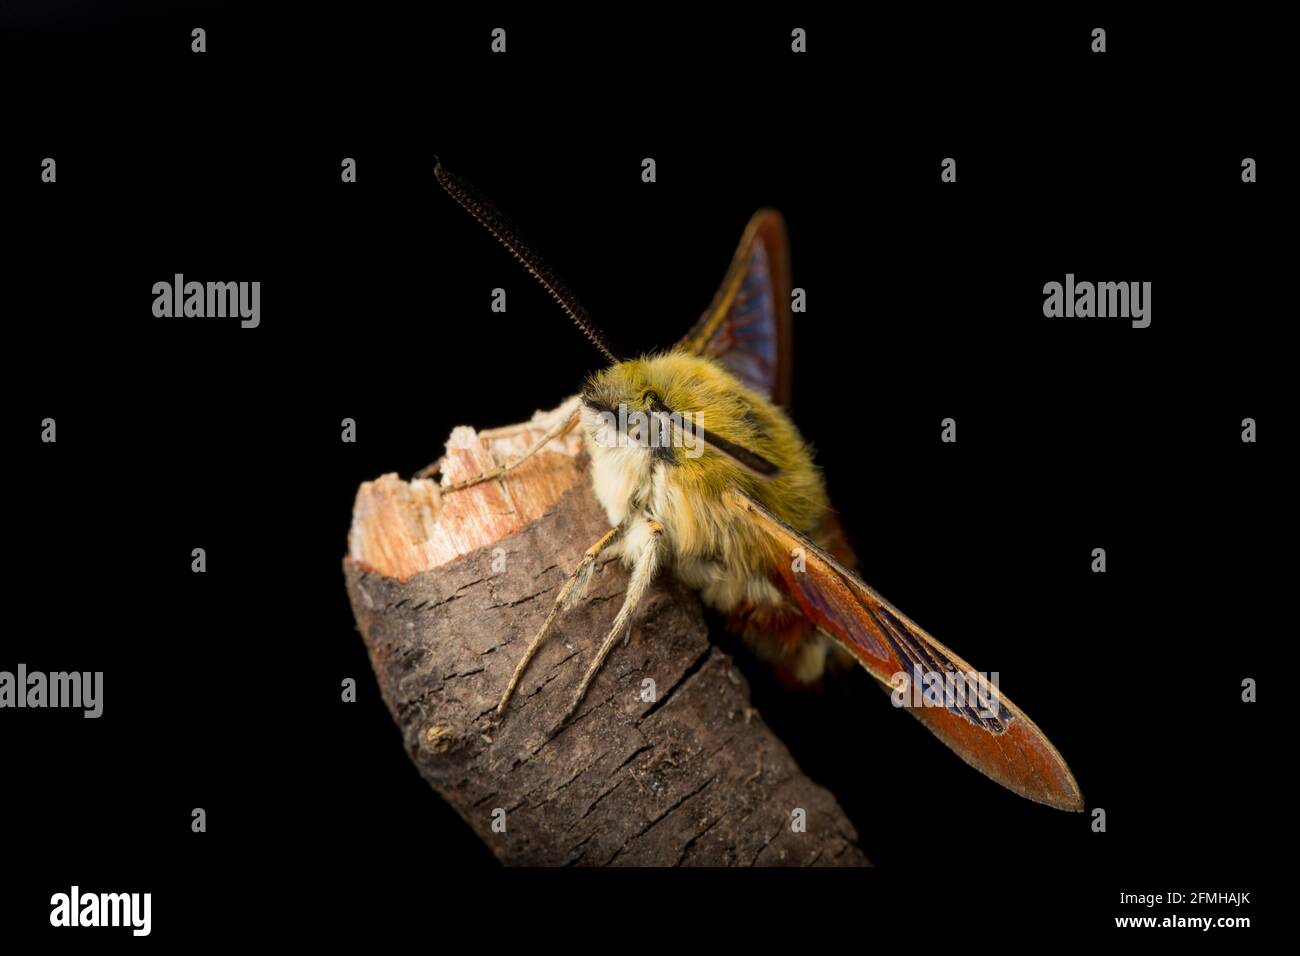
(664,763)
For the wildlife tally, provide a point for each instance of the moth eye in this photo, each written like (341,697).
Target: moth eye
(651,397)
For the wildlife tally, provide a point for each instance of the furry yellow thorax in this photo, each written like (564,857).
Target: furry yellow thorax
(697,386)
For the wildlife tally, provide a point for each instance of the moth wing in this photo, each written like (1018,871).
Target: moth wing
(990,733)
(747,326)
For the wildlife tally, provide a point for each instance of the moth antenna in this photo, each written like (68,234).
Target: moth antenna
(496,222)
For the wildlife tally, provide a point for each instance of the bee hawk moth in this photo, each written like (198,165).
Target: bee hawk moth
(702,474)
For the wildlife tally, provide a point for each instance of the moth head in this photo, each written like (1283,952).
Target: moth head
(624,406)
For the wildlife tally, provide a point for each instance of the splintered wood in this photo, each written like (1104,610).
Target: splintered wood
(401,528)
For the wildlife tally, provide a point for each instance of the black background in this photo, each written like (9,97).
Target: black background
(924,301)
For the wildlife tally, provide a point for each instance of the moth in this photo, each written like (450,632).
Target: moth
(701,473)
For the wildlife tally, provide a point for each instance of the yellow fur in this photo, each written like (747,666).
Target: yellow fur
(710,546)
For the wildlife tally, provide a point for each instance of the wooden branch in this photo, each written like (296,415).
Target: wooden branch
(447,593)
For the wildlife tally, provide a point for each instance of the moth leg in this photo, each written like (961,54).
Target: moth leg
(642,575)
(558,430)
(568,596)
